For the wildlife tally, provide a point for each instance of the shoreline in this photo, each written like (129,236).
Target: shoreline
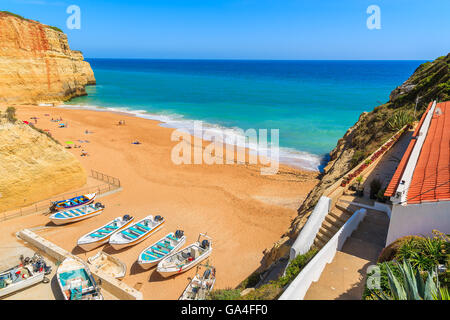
(243,211)
(296,159)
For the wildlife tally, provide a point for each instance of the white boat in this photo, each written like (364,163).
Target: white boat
(102,235)
(187,258)
(76,281)
(137,232)
(200,286)
(28,273)
(153,254)
(77,214)
(108,264)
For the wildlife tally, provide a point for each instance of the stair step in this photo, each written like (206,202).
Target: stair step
(378,218)
(331,219)
(331,226)
(324,238)
(347,207)
(339,215)
(319,243)
(327,232)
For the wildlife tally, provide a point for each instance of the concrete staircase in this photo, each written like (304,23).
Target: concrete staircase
(344,277)
(335,219)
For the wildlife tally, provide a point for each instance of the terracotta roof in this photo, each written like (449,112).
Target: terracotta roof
(393,185)
(431,177)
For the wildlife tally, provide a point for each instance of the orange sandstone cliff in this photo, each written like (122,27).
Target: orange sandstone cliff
(37,64)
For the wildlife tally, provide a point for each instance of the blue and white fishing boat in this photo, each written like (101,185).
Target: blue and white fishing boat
(137,232)
(77,214)
(102,235)
(73,203)
(151,255)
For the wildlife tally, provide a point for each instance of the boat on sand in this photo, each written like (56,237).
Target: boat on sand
(151,255)
(199,287)
(28,273)
(187,258)
(102,235)
(77,214)
(137,232)
(108,264)
(73,202)
(76,281)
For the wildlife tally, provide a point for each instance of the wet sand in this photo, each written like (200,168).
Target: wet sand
(243,211)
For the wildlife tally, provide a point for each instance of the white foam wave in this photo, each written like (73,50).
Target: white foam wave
(289,156)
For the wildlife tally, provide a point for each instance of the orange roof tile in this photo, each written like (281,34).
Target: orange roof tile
(392,187)
(431,177)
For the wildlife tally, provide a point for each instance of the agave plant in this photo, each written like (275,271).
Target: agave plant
(411,285)
(399,120)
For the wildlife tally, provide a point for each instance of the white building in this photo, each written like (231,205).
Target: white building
(420,187)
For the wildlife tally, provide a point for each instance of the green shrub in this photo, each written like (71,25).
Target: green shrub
(11,114)
(270,291)
(358,156)
(225,294)
(55,28)
(400,119)
(375,186)
(411,286)
(295,266)
(425,253)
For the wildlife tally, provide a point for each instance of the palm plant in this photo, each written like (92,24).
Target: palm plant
(411,286)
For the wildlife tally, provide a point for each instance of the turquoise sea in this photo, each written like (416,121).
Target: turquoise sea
(312,103)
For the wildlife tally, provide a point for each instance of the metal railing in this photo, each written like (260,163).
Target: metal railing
(109,184)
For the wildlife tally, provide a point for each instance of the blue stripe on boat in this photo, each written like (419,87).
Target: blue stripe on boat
(80,211)
(136,230)
(129,234)
(165,245)
(154,253)
(142,226)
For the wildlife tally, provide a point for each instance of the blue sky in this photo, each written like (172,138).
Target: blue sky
(249,29)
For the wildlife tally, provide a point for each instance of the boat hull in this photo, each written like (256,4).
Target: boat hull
(149,264)
(119,246)
(60,221)
(174,271)
(60,207)
(88,246)
(22,284)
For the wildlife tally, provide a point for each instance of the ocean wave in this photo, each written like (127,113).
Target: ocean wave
(288,156)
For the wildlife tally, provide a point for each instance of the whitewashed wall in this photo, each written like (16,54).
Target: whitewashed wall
(418,219)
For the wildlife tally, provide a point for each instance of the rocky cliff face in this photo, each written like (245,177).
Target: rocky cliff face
(37,64)
(28,161)
(430,81)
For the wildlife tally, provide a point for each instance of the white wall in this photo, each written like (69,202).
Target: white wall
(308,233)
(418,219)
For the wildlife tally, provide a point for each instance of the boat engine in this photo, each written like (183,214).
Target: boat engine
(99,205)
(205,244)
(53,208)
(158,218)
(179,234)
(126,217)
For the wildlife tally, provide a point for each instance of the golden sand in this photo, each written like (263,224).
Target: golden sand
(243,211)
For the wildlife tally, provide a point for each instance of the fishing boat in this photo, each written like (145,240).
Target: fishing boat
(102,235)
(72,203)
(137,232)
(187,258)
(28,273)
(200,286)
(77,214)
(108,264)
(76,281)
(153,254)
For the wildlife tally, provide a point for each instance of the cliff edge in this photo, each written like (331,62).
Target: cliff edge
(37,64)
(30,159)
(407,103)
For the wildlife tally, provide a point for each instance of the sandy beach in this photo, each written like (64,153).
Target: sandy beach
(243,211)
